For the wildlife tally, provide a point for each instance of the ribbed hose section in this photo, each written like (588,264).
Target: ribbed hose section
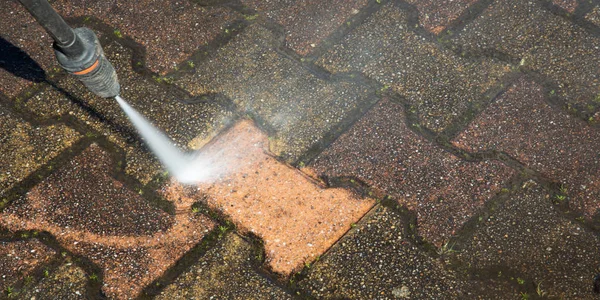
(91,66)
(102,80)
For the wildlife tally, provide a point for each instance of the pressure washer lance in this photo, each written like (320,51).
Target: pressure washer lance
(77,50)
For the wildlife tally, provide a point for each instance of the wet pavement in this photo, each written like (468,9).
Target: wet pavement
(361,149)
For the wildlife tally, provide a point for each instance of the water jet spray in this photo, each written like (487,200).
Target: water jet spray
(79,52)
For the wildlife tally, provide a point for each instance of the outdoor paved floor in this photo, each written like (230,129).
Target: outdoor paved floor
(366,149)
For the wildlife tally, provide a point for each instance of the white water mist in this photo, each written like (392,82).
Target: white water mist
(184,167)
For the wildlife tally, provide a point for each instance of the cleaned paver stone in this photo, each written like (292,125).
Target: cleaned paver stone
(436,15)
(525,234)
(546,43)
(169,30)
(19,258)
(96,216)
(22,62)
(439,84)
(544,138)
(24,147)
(443,190)
(224,272)
(300,107)
(66,282)
(186,124)
(296,217)
(307,23)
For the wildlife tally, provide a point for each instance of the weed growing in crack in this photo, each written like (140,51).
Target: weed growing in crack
(446,249)
(539,290)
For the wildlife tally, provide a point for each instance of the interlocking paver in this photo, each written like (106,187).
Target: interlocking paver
(297,219)
(435,16)
(300,107)
(24,147)
(170,31)
(544,138)
(437,82)
(564,52)
(378,260)
(443,190)
(526,234)
(186,124)
(66,282)
(96,216)
(19,258)
(307,23)
(225,272)
(22,62)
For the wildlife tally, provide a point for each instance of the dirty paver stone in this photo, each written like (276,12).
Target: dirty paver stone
(568,5)
(436,15)
(378,260)
(545,138)
(443,190)
(96,216)
(594,16)
(186,124)
(20,258)
(439,84)
(300,107)
(307,23)
(24,147)
(170,30)
(68,281)
(224,272)
(297,219)
(21,38)
(546,43)
(526,234)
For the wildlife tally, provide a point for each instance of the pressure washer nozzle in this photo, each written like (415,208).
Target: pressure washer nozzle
(89,64)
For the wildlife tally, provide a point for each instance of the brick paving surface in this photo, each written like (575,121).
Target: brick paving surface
(307,23)
(435,16)
(297,219)
(545,43)
(226,271)
(22,61)
(170,31)
(20,259)
(351,149)
(439,84)
(68,281)
(540,247)
(442,189)
(26,147)
(547,139)
(300,107)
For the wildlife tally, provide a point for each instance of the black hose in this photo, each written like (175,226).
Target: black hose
(53,23)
